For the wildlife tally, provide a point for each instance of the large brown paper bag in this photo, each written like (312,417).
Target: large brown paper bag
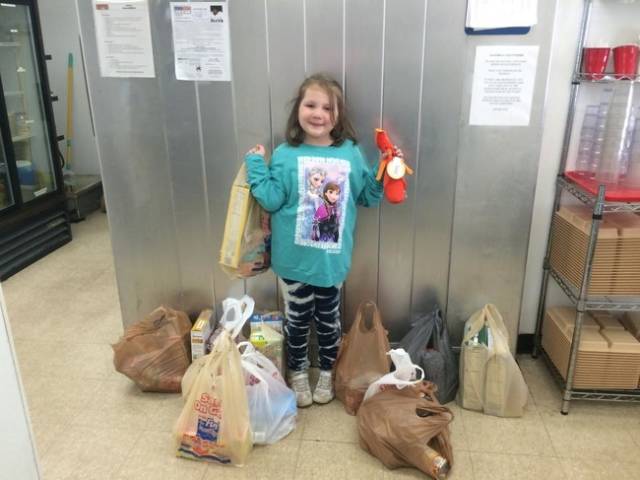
(362,358)
(407,428)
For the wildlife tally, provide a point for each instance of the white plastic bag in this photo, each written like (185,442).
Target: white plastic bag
(490,379)
(272,405)
(235,313)
(403,375)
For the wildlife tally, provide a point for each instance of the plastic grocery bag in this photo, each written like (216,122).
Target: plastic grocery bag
(362,357)
(155,352)
(214,424)
(235,313)
(403,375)
(268,341)
(428,345)
(407,427)
(272,405)
(490,379)
(246,245)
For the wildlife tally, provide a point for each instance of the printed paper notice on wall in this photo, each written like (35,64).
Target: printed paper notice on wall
(201,45)
(123,36)
(489,14)
(503,81)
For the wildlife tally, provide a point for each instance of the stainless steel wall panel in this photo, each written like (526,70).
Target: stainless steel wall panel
(185,171)
(286,59)
(250,74)
(403,55)
(221,166)
(497,170)
(363,87)
(324,37)
(252,110)
(136,180)
(435,179)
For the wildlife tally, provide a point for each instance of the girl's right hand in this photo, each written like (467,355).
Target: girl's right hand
(257,150)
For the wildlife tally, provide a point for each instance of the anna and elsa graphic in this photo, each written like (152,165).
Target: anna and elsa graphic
(320,210)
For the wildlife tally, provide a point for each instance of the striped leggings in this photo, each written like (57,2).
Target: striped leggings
(304,303)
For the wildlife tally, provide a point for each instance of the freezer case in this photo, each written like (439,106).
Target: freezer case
(33,219)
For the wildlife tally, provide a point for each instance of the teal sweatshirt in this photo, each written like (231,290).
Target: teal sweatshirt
(312,193)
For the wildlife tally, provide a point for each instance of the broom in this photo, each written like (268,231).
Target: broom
(68,173)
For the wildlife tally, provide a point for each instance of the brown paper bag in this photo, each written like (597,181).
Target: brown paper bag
(362,358)
(155,352)
(403,427)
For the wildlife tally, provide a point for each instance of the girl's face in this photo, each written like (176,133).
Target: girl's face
(316,180)
(332,195)
(314,116)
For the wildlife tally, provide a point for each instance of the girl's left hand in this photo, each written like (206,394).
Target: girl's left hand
(257,150)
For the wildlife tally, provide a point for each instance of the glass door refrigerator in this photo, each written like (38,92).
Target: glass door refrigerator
(33,218)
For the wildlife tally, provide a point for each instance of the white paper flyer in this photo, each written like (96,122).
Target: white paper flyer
(503,81)
(201,44)
(123,36)
(487,14)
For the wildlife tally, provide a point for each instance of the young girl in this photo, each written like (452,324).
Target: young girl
(311,268)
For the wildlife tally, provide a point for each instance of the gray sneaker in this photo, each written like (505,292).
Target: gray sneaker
(299,382)
(324,388)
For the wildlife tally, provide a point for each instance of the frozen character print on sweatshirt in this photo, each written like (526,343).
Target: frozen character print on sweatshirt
(323,195)
(326,226)
(314,182)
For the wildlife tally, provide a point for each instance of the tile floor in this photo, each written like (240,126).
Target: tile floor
(92,423)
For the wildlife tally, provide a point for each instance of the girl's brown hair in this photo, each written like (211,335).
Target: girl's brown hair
(342,130)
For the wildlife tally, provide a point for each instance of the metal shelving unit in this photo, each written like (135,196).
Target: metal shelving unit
(579,295)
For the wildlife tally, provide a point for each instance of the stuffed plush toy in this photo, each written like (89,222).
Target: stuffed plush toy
(392,168)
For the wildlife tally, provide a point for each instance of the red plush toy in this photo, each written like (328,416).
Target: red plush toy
(393,168)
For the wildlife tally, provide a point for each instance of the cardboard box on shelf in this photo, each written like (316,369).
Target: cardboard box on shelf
(608,357)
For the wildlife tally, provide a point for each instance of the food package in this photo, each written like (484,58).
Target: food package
(202,329)
(246,245)
(266,336)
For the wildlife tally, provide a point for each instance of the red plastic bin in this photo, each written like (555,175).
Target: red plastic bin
(613,192)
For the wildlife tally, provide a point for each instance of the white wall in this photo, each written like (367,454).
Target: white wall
(564,48)
(17,451)
(60,32)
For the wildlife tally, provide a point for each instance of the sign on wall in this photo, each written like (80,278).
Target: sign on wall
(201,45)
(123,37)
(503,81)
